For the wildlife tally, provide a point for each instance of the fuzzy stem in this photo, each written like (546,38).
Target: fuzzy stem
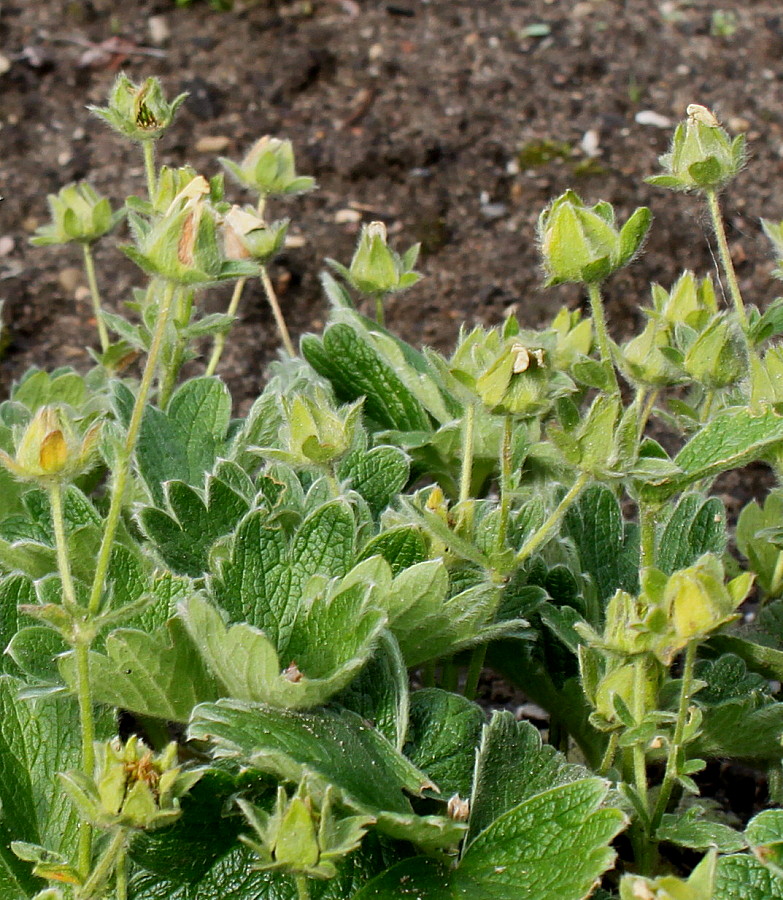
(475,668)
(646,412)
(149,168)
(302,887)
(123,470)
(168,378)
(220,339)
(380,316)
(94,885)
(466,471)
(647,513)
(121,878)
(601,333)
(60,542)
(725,258)
(670,775)
(535,541)
(639,710)
(271,296)
(609,755)
(95,296)
(505,483)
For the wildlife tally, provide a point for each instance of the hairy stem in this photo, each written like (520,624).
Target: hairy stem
(607,761)
(647,516)
(149,168)
(380,316)
(466,471)
(93,887)
(670,775)
(475,668)
(121,877)
(184,307)
(95,296)
(220,339)
(544,532)
(271,296)
(725,259)
(302,887)
(123,469)
(505,483)
(602,334)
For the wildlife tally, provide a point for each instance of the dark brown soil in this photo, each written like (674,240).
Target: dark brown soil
(410,111)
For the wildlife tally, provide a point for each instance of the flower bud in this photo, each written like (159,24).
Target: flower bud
(182,246)
(376,268)
(246,236)
(702,156)
(79,213)
(574,337)
(50,450)
(139,112)
(269,168)
(644,362)
(690,302)
(520,381)
(298,838)
(582,244)
(717,358)
(132,787)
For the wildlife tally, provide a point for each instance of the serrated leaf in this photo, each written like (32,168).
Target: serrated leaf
(15,590)
(184,535)
(159,674)
(690,829)
(741,875)
(355,368)
(696,526)
(443,736)
(608,548)
(731,439)
(334,744)
(378,475)
(402,547)
(379,693)
(740,729)
(727,678)
(513,765)
(183,442)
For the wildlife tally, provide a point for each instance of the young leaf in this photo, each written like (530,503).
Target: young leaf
(378,475)
(693,830)
(741,875)
(696,526)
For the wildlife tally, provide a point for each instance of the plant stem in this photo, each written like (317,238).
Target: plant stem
(302,887)
(121,878)
(647,514)
(639,710)
(601,333)
(220,339)
(530,546)
(466,472)
(269,290)
(670,775)
(725,258)
(380,316)
(647,409)
(475,667)
(449,679)
(182,319)
(149,168)
(505,483)
(94,885)
(609,755)
(95,296)
(61,545)
(123,470)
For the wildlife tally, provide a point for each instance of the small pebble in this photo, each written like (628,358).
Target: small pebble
(649,117)
(70,279)
(212,143)
(494,210)
(6,245)
(82,294)
(375,52)
(64,158)
(590,143)
(347,216)
(5,64)
(737,123)
(159,30)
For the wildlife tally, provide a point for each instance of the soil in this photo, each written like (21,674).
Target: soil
(454,121)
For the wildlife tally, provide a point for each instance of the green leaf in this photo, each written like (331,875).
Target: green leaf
(378,475)
(356,369)
(184,442)
(740,729)
(767,661)
(402,547)
(444,733)
(336,745)
(231,878)
(690,829)
(513,765)
(697,525)
(764,833)
(379,693)
(185,536)
(418,877)
(733,438)
(159,674)
(744,876)
(14,591)
(608,548)
(727,678)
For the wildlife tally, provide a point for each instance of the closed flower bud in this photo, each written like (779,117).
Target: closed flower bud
(299,838)
(717,358)
(139,111)
(702,156)
(644,362)
(375,267)
(50,450)
(269,168)
(582,243)
(79,213)
(246,236)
